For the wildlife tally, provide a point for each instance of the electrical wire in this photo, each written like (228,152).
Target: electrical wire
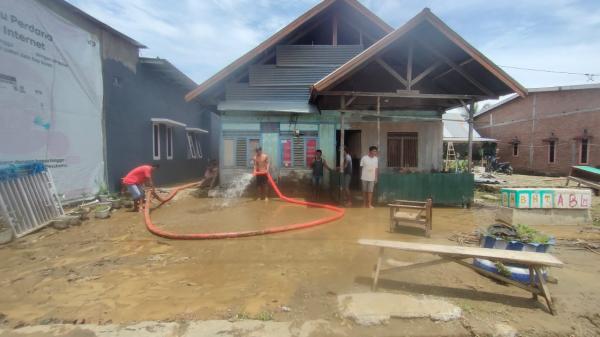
(590,76)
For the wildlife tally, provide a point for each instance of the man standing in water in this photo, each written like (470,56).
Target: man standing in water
(369,165)
(318,166)
(261,165)
(135,181)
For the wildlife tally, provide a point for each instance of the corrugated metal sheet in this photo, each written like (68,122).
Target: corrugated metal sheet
(315,55)
(270,74)
(244,92)
(268,106)
(456,129)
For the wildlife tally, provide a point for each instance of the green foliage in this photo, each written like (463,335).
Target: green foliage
(502,270)
(528,234)
(264,316)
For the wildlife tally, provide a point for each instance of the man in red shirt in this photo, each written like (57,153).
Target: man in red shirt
(135,180)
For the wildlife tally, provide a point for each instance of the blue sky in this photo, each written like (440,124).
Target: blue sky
(202,36)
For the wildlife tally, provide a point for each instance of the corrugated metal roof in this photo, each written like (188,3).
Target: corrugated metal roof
(456,129)
(315,55)
(244,92)
(268,106)
(270,74)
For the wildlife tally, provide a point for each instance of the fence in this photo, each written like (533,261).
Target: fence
(28,198)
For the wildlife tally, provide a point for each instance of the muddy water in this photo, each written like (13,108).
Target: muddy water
(114,270)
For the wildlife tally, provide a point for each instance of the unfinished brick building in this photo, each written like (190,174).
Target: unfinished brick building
(547,131)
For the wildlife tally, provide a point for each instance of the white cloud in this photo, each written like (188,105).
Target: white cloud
(203,36)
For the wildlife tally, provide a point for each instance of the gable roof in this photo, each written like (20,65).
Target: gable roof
(278,37)
(328,82)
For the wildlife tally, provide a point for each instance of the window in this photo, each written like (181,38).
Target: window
(239,151)
(584,151)
(298,151)
(156,141)
(402,149)
(194,148)
(552,151)
(515,149)
(169,142)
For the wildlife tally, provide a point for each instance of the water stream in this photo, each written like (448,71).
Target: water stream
(225,197)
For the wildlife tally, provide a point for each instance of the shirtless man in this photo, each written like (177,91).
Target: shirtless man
(261,164)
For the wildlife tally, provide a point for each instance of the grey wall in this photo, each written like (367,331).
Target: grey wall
(131,100)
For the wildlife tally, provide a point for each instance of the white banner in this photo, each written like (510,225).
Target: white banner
(51,96)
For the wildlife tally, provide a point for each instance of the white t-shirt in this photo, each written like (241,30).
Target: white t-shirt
(369,166)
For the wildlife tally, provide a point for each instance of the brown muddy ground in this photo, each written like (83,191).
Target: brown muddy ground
(115,271)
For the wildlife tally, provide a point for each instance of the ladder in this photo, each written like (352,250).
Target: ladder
(450,156)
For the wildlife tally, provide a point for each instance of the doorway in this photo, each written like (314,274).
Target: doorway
(352,139)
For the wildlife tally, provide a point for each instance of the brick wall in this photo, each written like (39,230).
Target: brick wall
(563,114)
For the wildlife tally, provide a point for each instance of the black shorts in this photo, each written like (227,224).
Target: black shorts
(261,180)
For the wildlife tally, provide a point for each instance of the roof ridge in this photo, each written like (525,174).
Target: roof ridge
(277,37)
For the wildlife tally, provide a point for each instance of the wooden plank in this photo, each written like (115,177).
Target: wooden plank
(467,61)
(392,72)
(583,181)
(409,65)
(402,95)
(407,206)
(404,266)
(544,289)
(426,72)
(457,68)
(335,30)
(489,274)
(377,268)
(529,258)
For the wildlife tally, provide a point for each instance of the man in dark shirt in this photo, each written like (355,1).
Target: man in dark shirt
(318,166)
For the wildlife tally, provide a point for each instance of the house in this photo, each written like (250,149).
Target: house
(77,97)
(340,76)
(547,131)
(456,136)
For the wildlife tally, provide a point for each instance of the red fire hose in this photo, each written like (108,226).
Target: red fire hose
(339,212)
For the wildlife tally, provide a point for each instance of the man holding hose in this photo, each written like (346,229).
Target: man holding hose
(135,181)
(261,169)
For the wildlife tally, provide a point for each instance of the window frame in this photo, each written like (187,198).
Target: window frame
(515,149)
(169,141)
(401,135)
(552,154)
(292,152)
(156,141)
(194,147)
(587,155)
(249,157)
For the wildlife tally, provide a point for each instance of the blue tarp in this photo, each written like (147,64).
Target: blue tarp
(14,171)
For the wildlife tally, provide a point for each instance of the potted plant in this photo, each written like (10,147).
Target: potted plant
(115,201)
(102,211)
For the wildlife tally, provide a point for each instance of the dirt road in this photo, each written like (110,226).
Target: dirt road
(114,271)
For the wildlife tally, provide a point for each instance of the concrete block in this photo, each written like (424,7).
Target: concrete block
(540,216)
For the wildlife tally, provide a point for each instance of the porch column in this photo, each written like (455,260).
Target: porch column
(378,123)
(341,182)
(471,108)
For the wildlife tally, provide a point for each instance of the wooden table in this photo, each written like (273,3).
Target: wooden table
(457,254)
(585,175)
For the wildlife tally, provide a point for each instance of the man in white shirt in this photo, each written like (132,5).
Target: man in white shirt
(369,170)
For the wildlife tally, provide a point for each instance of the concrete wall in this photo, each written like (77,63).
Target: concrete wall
(131,100)
(430,140)
(536,117)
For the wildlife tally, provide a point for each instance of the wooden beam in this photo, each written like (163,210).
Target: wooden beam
(335,30)
(409,65)
(350,100)
(426,72)
(457,68)
(391,71)
(401,95)
(467,61)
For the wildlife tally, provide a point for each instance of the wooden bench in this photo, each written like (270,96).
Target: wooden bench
(412,214)
(584,175)
(535,262)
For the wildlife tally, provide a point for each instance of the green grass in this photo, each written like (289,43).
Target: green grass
(264,316)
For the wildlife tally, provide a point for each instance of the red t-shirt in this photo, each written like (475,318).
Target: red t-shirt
(138,175)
